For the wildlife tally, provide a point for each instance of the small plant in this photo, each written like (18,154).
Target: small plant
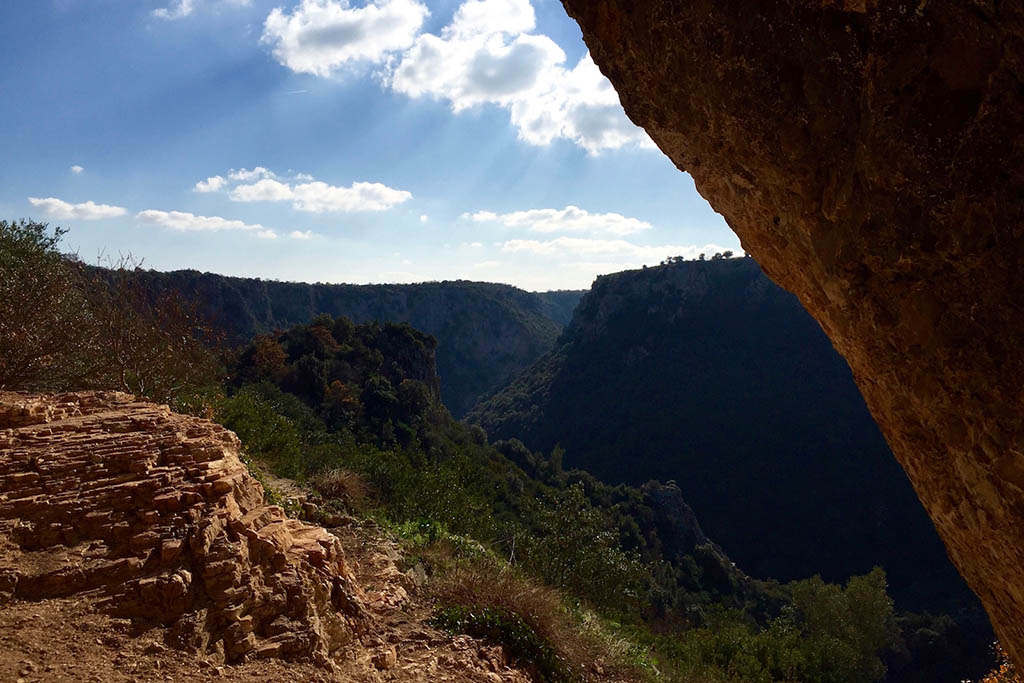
(508,629)
(345,488)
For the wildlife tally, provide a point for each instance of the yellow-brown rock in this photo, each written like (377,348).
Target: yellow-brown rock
(870,155)
(156,513)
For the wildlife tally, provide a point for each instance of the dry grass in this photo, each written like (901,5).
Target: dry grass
(591,653)
(345,488)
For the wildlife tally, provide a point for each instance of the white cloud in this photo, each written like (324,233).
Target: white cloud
(487,55)
(245,174)
(86,211)
(188,222)
(300,235)
(211,184)
(569,219)
(308,195)
(76,169)
(424,218)
(620,252)
(319,197)
(185,8)
(266,190)
(321,36)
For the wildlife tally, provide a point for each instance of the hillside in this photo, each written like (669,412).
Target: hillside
(708,374)
(486,332)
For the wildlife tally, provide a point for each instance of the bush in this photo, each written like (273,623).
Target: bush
(487,599)
(66,326)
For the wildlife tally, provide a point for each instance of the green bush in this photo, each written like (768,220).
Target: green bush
(507,629)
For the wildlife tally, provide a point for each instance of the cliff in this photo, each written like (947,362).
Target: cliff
(709,374)
(870,156)
(486,332)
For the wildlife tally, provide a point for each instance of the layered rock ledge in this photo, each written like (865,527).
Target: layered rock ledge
(870,156)
(155,514)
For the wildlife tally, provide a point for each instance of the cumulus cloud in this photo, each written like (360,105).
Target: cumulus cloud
(266,190)
(86,211)
(322,36)
(211,184)
(304,192)
(76,169)
(183,221)
(301,235)
(488,54)
(569,219)
(619,252)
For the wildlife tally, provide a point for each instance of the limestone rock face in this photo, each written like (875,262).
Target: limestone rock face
(870,156)
(156,513)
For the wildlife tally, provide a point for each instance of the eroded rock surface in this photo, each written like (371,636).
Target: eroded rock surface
(871,157)
(155,513)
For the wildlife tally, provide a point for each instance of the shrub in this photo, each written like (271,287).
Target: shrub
(485,598)
(66,326)
(344,487)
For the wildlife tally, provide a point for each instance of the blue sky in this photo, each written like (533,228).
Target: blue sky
(335,141)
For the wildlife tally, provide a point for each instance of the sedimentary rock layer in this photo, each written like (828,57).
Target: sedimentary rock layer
(870,156)
(155,513)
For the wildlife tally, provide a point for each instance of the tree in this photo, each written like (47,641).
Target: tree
(65,325)
(44,318)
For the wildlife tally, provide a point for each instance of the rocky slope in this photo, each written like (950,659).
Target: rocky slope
(871,157)
(486,332)
(709,374)
(127,531)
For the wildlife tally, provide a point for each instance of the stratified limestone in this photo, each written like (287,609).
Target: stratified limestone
(155,513)
(870,156)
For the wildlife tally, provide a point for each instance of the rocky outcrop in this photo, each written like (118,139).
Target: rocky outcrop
(155,514)
(871,157)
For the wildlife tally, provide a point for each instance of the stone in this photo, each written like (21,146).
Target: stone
(870,156)
(385,659)
(125,480)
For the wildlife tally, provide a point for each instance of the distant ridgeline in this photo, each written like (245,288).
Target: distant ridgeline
(709,374)
(486,332)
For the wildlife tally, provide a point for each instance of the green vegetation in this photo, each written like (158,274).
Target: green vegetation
(571,575)
(487,332)
(510,630)
(522,551)
(64,327)
(708,373)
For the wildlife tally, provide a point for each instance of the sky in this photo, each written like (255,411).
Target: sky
(335,141)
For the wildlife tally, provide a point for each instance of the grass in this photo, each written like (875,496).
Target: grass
(558,641)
